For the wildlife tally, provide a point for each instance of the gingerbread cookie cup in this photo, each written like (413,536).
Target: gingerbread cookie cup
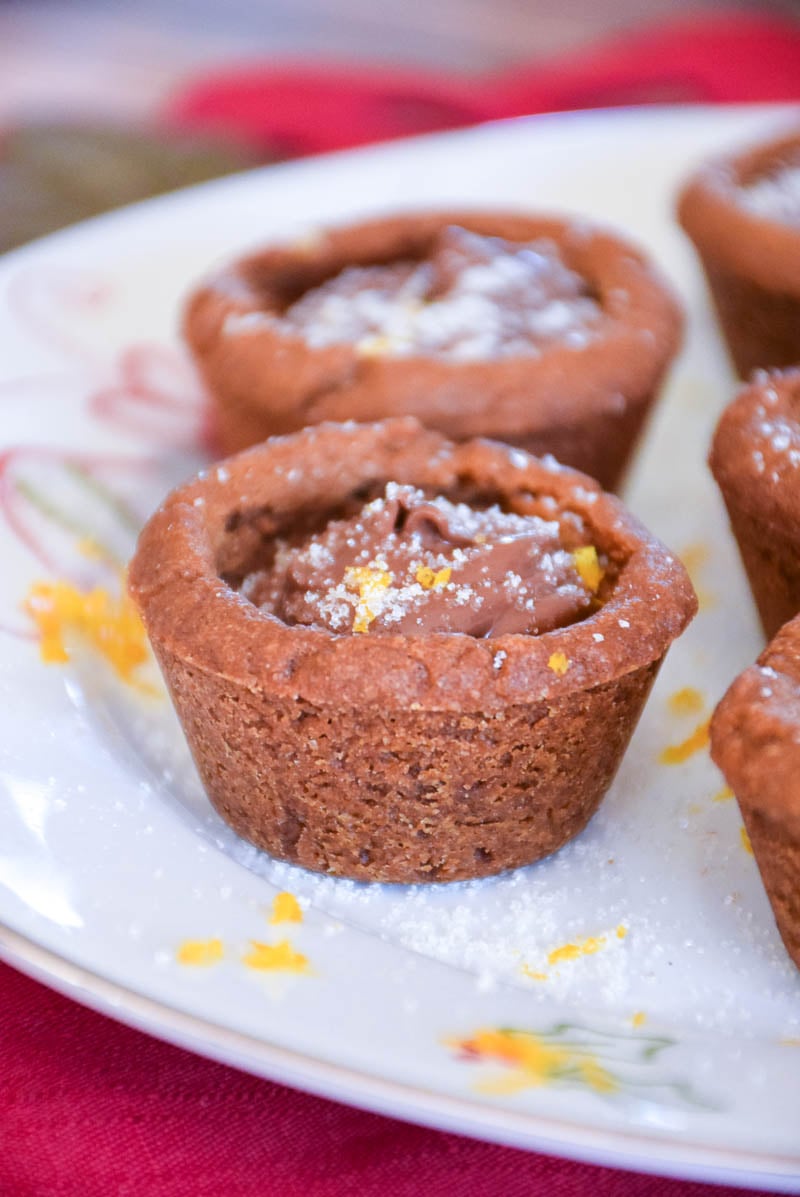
(583,397)
(755,459)
(755,740)
(738,213)
(390,757)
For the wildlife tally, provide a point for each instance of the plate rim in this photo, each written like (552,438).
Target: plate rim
(599,1146)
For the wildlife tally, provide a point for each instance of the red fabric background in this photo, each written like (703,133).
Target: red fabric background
(302,109)
(89,1108)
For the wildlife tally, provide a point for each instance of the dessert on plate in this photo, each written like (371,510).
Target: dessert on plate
(755,459)
(755,740)
(546,333)
(742,212)
(398,658)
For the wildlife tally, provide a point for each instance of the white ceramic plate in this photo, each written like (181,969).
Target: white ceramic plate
(675,1045)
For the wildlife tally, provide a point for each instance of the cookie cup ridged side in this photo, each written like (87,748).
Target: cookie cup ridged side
(755,740)
(755,460)
(585,403)
(390,757)
(751,262)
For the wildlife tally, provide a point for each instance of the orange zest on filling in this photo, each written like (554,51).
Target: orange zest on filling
(745,838)
(286,909)
(200,952)
(589,568)
(111,625)
(432,579)
(371,585)
(276,958)
(687,701)
(676,754)
(559,663)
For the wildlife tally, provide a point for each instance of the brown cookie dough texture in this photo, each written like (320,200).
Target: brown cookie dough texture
(396,757)
(585,403)
(755,459)
(755,740)
(751,257)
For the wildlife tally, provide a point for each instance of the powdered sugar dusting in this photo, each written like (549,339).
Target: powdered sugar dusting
(409,562)
(776,196)
(478,297)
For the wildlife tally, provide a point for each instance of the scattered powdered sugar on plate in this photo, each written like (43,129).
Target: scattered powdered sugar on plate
(594,926)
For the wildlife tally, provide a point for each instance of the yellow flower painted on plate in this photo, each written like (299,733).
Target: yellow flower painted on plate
(570,1055)
(724,795)
(533,1062)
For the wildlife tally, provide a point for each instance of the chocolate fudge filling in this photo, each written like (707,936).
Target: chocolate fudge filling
(475,297)
(407,563)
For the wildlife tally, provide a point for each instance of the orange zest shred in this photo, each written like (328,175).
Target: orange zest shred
(694,557)
(111,625)
(745,838)
(688,701)
(724,795)
(286,909)
(676,754)
(573,951)
(588,567)
(639,1019)
(371,585)
(430,579)
(200,952)
(277,958)
(533,973)
(559,663)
